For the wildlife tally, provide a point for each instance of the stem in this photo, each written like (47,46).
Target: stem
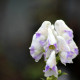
(51,78)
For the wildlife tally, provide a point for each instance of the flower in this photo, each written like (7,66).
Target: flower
(68,50)
(38,41)
(50,40)
(51,43)
(51,68)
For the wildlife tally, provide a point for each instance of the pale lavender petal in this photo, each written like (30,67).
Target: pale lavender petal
(54,68)
(37,57)
(69,33)
(46,68)
(56,48)
(69,54)
(76,50)
(55,45)
(32,50)
(50,72)
(49,43)
(38,35)
(69,41)
(46,49)
(42,42)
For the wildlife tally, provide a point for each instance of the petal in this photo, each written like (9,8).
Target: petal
(63,57)
(36,53)
(38,35)
(36,50)
(51,72)
(62,45)
(51,62)
(52,27)
(66,57)
(73,48)
(67,38)
(51,37)
(60,27)
(47,54)
(38,57)
(44,28)
(46,68)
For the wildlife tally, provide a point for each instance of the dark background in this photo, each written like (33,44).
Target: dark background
(19,19)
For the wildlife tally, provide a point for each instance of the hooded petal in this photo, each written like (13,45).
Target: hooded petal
(51,44)
(44,28)
(51,37)
(63,30)
(60,27)
(38,41)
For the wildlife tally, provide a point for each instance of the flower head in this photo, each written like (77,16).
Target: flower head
(50,40)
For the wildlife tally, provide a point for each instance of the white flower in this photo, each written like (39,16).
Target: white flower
(67,47)
(51,43)
(63,30)
(50,40)
(38,41)
(51,68)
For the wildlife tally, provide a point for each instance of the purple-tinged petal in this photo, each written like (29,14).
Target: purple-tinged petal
(54,68)
(38,57)
(69,41)
(38,35)
(69,54)
(51,60)
(69,33)
(46,68)
(42,42)
(32,50)
(55,45)
(76,50)
(51,72)
(51,38)
(62,45)
(60,26)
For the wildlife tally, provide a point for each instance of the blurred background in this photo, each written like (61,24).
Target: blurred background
(19,19)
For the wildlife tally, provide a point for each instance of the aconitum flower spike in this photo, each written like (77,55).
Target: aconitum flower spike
(51,40)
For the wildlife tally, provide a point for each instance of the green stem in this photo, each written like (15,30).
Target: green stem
(51,78)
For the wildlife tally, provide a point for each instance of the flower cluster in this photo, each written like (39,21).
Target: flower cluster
(50,40)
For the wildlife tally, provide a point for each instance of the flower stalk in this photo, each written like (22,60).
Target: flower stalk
(54,42)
